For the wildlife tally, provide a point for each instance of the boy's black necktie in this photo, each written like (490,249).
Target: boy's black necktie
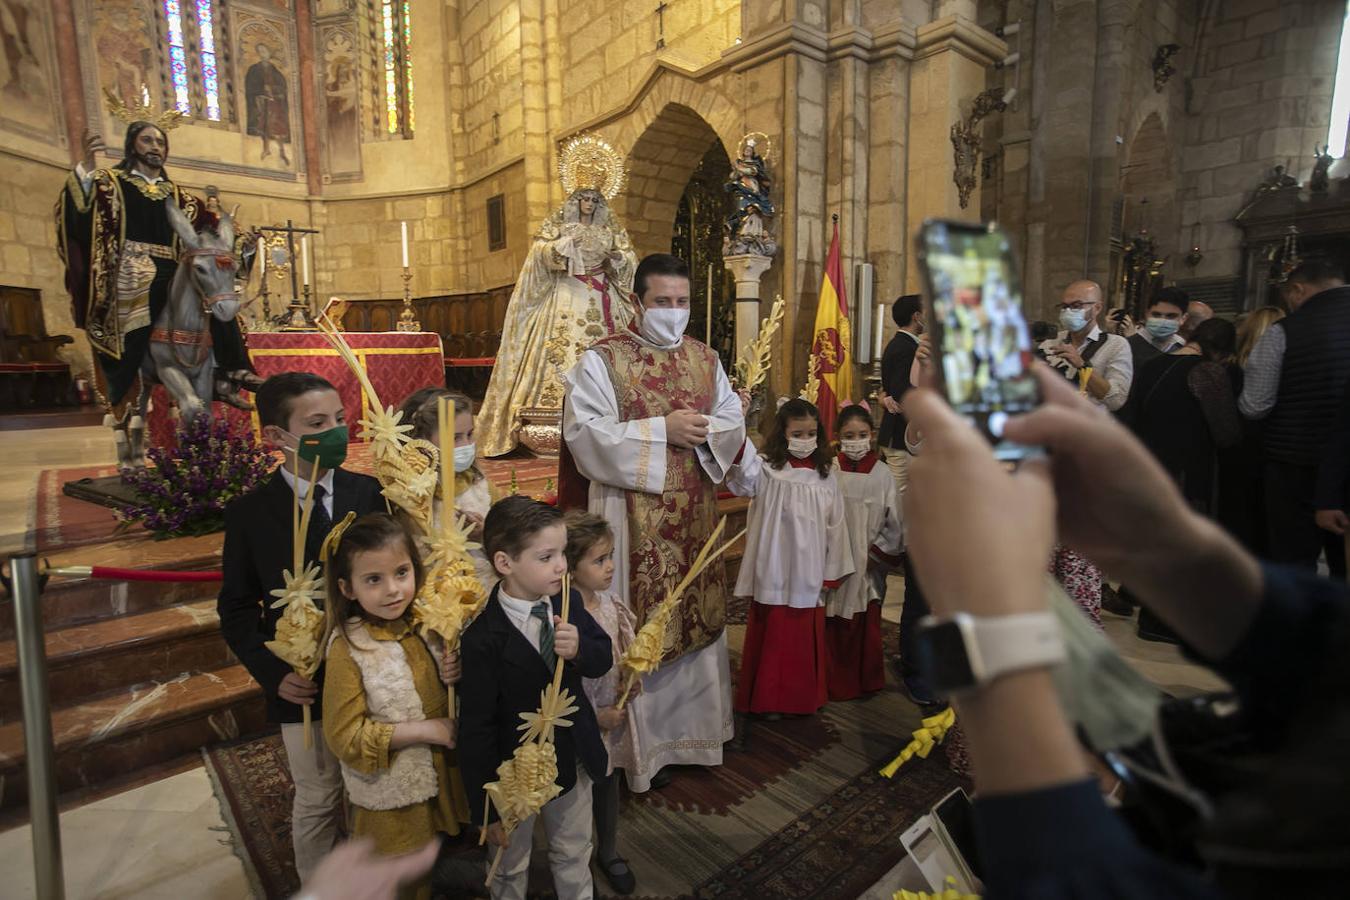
(320,523)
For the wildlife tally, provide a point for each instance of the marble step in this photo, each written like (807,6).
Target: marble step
(125,731)
(114,654)
(75,601)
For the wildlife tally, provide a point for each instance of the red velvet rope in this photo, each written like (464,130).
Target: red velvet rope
(109,572)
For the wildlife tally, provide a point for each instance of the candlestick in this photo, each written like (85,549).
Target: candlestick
(405,244)
(407,320)
(707,336)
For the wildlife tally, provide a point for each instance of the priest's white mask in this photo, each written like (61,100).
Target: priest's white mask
(664,326)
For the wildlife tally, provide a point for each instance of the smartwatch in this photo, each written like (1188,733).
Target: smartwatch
(965,652)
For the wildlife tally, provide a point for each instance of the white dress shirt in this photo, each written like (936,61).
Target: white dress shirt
(1166,345)
(1261,375)
(520,612)
(1113,361)
(302,491)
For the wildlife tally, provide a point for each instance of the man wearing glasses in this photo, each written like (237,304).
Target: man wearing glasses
(1098,363)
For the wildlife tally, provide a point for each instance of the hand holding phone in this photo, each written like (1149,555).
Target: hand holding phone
(981,345)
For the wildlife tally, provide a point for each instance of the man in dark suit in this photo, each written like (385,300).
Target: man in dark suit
(509,655)
(301,414)
(896,365)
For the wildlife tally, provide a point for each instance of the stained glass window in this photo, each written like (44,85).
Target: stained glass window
(394,20)
(210,81)
(390,68)
(407,61)
(178,70)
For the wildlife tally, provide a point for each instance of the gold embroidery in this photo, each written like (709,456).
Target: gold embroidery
(160,190)
(645,454)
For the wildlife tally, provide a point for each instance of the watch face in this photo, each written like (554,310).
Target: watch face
(942,658)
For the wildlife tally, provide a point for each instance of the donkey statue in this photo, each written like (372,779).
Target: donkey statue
(180,356)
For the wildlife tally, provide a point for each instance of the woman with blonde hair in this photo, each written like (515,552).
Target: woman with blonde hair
(1253,325)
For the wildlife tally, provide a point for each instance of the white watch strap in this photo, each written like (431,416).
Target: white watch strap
(1015,642)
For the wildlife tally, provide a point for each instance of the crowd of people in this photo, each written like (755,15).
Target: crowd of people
(1240,459)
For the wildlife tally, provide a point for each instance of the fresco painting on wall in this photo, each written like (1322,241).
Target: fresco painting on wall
(266,59)
(331,7)
(27,103)
(124,40)
(342,107)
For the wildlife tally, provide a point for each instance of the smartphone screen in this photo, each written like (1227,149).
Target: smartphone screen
(981,342)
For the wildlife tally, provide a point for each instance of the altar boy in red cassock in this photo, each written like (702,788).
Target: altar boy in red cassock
(796,547)
(876,533)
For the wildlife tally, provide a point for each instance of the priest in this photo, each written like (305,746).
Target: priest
(651,421)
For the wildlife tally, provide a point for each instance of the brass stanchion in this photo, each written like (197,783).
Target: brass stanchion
(37,729)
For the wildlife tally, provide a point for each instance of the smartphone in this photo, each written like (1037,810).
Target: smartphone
(939,852)
(980,340)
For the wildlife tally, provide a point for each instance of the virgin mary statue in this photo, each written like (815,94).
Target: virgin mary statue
(573,289)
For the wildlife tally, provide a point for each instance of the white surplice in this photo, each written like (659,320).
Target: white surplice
(796,538)
(872,511)
(686,708)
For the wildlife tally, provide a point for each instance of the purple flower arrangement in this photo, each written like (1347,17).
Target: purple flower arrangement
(186,490)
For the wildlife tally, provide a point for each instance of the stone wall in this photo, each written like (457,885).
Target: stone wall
(1261,97)
(1091,148)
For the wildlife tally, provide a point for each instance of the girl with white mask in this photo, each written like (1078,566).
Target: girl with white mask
(875,538)
(796,549)
(474,494)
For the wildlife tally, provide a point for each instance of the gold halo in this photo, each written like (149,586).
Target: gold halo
(165,121)
(762,144)
(587,161)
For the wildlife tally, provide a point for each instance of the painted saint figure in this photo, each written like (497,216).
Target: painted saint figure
(269,110)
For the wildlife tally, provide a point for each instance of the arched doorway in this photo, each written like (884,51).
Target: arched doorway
(675,204)
(1148,217)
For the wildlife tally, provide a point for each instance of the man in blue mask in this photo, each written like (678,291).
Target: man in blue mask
(1166,317)
(1100,364)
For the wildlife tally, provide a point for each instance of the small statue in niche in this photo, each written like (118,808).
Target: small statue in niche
(747,229)
(1318,182)
(1162,65)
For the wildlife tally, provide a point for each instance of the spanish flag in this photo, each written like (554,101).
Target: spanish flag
(830,346)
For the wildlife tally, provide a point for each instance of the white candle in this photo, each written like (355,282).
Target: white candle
(262,258)
(405,244)
(707,337)
(304,257)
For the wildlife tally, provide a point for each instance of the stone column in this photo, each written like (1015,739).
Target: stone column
(68,62)
(950,59)
(747,269)
(309,107)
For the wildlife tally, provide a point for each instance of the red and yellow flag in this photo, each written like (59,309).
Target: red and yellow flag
(830,346)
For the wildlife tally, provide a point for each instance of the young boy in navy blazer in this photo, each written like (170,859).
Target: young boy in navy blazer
(258,550)
(508,656)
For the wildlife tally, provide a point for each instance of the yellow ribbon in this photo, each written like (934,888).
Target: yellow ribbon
(1084,376)
(930,733)
(330,543)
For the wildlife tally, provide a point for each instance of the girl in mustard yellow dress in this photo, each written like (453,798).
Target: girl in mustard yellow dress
(386,713)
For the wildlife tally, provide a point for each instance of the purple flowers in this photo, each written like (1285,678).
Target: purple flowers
(186,491)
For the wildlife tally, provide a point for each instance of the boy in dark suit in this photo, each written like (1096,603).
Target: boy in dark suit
(508,656)
(258,549)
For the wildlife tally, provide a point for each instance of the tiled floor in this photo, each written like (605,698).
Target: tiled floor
(161,841)
(167,839)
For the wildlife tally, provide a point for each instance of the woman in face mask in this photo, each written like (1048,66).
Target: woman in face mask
(876,533)
(474,493)
(796,548)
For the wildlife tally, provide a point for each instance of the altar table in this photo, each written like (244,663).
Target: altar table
(396,362)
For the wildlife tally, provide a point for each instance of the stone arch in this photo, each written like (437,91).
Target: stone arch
(660,161)
(1150,175)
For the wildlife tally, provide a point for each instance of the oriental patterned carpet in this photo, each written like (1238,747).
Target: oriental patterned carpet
(802,813)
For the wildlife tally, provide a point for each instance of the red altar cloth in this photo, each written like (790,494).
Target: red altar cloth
(397,363)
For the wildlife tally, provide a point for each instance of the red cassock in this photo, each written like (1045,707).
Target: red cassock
(854,659)
(783,661)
